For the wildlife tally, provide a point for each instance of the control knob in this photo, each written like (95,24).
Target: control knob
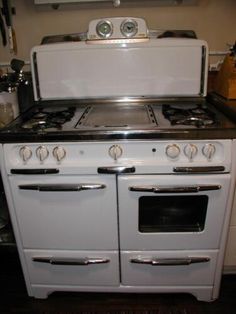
(172,151)
(115,151)
(59,153)
(25,153)
(42,153)
(208,151)
(190,151)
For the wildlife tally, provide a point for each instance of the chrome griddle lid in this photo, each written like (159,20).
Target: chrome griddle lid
(117,116)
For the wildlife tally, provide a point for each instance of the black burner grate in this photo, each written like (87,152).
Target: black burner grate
(198,115)
(44,119)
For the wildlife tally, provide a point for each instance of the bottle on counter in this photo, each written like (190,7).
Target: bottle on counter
(6,114)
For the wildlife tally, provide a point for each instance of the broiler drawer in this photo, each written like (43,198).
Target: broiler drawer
(84,268)
(164,268)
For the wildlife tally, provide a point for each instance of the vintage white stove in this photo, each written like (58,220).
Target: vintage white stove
(120,178)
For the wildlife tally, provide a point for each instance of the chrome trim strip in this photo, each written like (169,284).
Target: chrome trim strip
(129,99)
(35,65)
(116,41)
(203,70)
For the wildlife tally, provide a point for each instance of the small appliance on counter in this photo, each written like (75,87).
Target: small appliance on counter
(6,111)
(10,86)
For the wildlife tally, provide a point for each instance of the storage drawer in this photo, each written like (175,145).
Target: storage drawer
(102,268)
(136,270)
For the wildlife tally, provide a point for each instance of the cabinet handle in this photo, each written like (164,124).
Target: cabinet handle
(34,171)
(174,189)
(84,261)
(116,170)
(62,187)
(170,261)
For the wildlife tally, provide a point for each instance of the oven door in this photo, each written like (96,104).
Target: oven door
(169,212)
(66,212)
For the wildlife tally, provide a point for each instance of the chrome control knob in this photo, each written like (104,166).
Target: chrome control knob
(115,151)
(25,153)
(172,151)
(190,151)
(42,153)
(208,151)
(59,153)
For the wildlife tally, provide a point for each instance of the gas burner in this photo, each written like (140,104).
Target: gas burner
(35,124)
(49,119)
(197,116)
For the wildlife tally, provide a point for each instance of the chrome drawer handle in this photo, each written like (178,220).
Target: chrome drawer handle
(207,169)
(35,171)
(62,187)
(170,261)
(84,261)
(174,189)
(116,170)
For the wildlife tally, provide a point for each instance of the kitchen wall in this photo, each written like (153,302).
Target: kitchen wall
(213,20)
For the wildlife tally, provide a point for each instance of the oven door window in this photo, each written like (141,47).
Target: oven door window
(172,213)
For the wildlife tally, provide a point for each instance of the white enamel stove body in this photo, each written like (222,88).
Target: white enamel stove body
(120,216)
(77,211)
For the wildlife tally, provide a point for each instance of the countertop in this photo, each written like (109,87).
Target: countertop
(225,105)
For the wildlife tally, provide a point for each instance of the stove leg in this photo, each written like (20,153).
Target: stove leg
(40,293)
(205,296)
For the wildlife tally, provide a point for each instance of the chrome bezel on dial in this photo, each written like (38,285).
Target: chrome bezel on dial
(99,30)
(124,31)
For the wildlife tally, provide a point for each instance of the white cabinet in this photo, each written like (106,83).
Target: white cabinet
(230,255)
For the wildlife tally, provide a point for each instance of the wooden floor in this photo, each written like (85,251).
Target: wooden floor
(14,298)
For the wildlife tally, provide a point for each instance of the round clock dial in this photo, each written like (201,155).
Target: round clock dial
(129,28)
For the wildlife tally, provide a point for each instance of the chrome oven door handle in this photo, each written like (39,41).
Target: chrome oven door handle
(70,261)
(116,170)
(174,189)
(208,169)
(62,187)
(170,261)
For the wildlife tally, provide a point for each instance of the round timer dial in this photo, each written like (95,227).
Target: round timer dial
(104,29)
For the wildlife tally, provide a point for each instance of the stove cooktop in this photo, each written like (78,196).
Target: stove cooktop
(118,116)
(73,120)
